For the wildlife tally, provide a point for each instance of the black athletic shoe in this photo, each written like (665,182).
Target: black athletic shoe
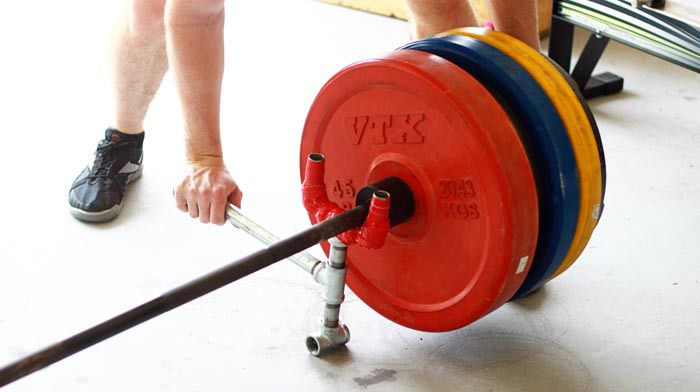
(96,195)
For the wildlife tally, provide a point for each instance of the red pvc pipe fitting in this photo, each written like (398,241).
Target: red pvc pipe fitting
(373,232)
(315,198)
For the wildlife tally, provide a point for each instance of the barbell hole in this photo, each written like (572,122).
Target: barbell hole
(316,157)
(382,195)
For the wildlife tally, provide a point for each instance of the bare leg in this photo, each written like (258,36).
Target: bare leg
(432,17)
(517,18)
(194,30)
(138,60)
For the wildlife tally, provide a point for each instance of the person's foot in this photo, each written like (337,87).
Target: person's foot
(96,195)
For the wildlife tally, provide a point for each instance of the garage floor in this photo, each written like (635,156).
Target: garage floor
(626,317)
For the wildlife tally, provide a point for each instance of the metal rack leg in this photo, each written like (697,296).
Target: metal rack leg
(561,40)
(595,85)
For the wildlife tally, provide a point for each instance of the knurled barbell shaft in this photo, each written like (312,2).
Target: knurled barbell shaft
(183,294)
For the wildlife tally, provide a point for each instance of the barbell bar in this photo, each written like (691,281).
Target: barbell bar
(291,247)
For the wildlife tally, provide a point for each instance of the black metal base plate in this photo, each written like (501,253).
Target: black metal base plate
(603,84)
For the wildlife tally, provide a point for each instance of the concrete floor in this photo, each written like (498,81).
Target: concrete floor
(626,317)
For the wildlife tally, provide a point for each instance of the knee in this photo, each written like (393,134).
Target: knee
(145,16)
(186,12)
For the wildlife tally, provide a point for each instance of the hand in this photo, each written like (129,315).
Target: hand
(205,190)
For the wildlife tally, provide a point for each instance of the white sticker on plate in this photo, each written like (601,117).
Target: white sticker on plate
(522,264)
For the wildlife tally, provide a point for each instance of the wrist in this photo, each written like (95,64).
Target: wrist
(203,148)
(210,160)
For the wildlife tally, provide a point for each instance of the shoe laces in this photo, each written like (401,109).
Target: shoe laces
(105,156)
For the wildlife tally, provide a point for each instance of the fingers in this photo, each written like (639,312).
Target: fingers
(193,210)
(217,214)
(204,210)
(202,196)
(236,197)
(219,201)
(204,193)
(180,200)
(191,201)
(187,199)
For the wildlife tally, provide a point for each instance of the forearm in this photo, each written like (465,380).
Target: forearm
(517,18)
(196,53)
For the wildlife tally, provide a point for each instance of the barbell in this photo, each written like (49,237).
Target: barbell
(486,179)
